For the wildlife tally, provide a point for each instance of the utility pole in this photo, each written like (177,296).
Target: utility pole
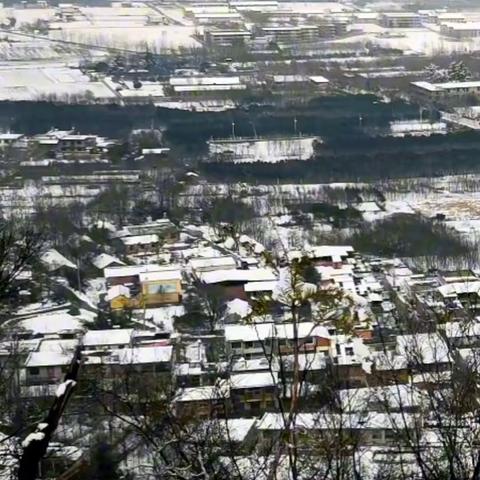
(233,130)
(254,130)
(79,282)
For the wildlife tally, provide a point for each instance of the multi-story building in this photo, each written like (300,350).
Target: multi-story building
(290,33)
(460,30)
(254,341)
(400,20)
(446,90)
(226,38)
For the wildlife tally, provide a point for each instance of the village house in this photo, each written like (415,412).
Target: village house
(350,361)
(139,245)
(104,341)
(163,228)
(256,340)
(202,402)
(232,281)
(143,286)
(253,393)
(161,287)
(446,90)
(46,367)
(371,429)
(8,140)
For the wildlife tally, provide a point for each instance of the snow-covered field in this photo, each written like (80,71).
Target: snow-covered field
(20,83)
(456,197)
(132,37)
(422,40)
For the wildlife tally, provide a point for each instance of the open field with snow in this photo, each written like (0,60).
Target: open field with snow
(421,41)
(25,83)
(116,35)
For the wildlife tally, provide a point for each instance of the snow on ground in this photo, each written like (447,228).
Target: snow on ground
(421,40)
(118,35)
(459,206)
(314,7)
(24,82)
(24,199)
(95,288)
(162,317)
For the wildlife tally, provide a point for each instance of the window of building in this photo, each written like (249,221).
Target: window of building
(349,351)
(34,370)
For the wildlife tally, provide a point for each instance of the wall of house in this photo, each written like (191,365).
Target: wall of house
(43,375)
(172,292)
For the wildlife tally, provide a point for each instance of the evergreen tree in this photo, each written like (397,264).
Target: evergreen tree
(458,72)
(435,74)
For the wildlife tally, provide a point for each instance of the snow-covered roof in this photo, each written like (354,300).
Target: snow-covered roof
(416,126)
(334,421)
(132,270)
(262,331)
(225,275)
(391,397)
(11,136)
(53,259)
(253,380)
(160,276)
(235,429)
(212,262)
(423,348)
(245,365)
(260,286)
(430,87)
(318,79)
(117,291)
(104,260)
(328,272)
(455,85)
(400,14)
(55,322)
(459,288)
(47,359)
(155,151)
(334,251)
(203,81)
(197,394)
(462,329)
(289,78)
(445,86)
(120,336)
(61,345)
(239,307)
(142,355)
(140,239)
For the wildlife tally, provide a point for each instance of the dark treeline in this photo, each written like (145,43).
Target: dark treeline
(333,118)
(347,154)
(402,235)
(453,156)
(326,116)
(108,120)
(408,235)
